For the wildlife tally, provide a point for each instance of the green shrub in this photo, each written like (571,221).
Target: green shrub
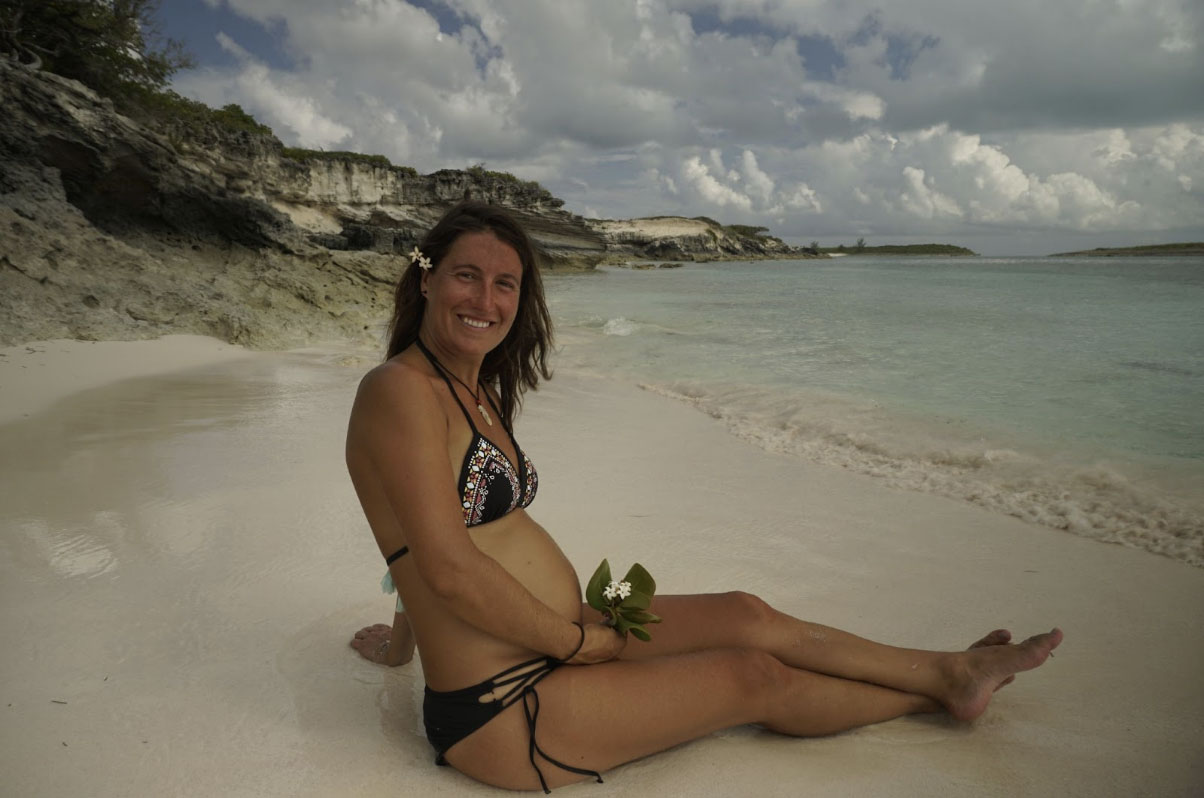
(747,230)
(111,46)
(182,114)
(303,155)
(478,171)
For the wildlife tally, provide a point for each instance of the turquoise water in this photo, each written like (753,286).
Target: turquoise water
(1064,391)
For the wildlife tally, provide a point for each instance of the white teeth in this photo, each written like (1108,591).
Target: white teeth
(480,325)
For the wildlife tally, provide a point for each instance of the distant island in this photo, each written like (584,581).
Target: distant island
(945,250)
(1150,250)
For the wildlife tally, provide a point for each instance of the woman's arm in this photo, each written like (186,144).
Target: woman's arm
(398,437)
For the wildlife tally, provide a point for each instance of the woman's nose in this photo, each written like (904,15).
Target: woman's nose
(484,293)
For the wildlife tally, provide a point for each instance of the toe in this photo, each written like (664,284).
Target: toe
(998,637)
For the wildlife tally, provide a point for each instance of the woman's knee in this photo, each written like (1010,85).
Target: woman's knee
(749,613)
(760,678)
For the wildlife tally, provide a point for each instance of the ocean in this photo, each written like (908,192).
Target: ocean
(1068,392)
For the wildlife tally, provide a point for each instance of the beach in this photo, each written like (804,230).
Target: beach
(184,561)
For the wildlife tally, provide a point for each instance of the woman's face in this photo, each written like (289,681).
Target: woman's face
(472,294)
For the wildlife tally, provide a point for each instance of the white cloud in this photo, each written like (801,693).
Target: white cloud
(281,106)
(759,184)
(804,198)
(925,119)
(922,198)
(696,173)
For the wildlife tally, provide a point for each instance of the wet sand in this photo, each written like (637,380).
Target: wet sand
(182,562)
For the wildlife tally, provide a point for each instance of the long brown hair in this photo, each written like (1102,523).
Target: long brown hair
(516,364)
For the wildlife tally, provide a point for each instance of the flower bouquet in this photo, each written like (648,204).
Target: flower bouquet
(625,603)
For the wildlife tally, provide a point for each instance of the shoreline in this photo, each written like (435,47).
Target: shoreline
(211,557)
(1107,498)
(1088,471)
(39,373)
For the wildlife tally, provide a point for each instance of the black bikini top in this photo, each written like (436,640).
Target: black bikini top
(489,485)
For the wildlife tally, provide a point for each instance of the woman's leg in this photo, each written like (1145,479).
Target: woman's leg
(599,716)
(961,681)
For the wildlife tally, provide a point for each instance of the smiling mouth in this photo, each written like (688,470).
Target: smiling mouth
(476,324)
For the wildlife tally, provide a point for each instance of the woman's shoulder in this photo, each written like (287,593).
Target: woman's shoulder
(400,384)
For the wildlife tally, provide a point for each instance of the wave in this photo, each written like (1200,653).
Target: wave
(1095,498)
(619,326)
(1158,368)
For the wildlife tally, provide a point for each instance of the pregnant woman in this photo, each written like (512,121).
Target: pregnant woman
(527,687)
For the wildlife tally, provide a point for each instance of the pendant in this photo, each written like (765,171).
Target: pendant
(484,415)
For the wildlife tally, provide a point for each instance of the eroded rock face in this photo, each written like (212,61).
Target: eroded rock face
(679,238)
(63,277)
(112,230)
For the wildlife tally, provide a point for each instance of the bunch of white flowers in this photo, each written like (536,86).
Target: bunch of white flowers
(619,590)
(624,604)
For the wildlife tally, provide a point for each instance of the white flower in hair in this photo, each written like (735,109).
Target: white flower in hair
(422,260)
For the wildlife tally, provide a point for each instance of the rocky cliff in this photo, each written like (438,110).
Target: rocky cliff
(110,229)
(678,238)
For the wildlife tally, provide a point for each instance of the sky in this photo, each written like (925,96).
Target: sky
(1013,127)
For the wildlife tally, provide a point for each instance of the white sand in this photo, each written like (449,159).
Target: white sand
(35,375)
(183,561)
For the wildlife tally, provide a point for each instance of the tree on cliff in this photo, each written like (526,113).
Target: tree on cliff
(113,46)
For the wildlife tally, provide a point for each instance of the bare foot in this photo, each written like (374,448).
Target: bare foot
(999,637)
(375,645)
(985,667)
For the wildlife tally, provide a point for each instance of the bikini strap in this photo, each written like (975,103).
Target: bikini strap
(524,676)
(531,711)
(439,368)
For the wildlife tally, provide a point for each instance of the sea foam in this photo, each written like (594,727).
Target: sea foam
(1098,500)
(619,326)
(1063,393)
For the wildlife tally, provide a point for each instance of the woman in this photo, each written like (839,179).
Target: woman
(526,687)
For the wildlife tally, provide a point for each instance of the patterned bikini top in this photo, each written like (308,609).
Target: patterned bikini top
(489,485)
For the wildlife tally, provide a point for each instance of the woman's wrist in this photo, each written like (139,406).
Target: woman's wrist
(580,642)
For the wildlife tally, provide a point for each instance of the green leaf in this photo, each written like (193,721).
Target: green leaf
(638,600)
(598,583)
(641,616)
(641,633)
(641,580)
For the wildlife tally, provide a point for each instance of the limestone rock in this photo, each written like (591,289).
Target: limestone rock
(112,229)
(679,238)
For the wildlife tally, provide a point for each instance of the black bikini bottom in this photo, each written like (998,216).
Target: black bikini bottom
(451,716)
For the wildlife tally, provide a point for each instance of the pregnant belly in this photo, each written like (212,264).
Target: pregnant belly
(530,555)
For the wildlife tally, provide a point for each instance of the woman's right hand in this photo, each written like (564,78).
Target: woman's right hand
(601,643)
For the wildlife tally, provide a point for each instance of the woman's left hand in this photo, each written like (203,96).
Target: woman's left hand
(384,644)
(601,643)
